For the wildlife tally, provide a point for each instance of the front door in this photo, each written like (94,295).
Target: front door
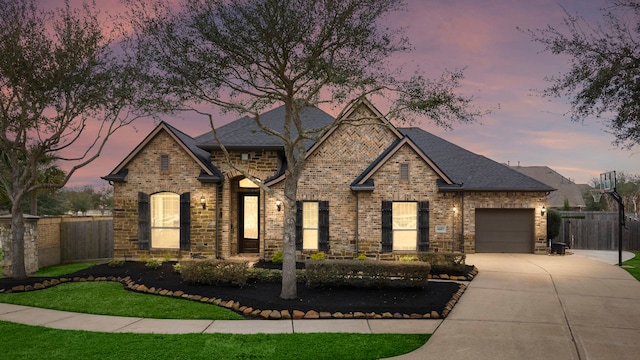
(249,223)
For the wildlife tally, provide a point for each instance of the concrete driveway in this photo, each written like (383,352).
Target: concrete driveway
(541,307)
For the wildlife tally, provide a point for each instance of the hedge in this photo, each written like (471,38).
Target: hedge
(209,272)
(367,273)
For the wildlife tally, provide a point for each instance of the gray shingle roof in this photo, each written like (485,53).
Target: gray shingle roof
(244,133)
(202,155)
(475,172)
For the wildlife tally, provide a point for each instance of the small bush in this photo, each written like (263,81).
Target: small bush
(115,263)
(407,258)
(176,267)
(277,258)
(319,256)
(209,272)
(367,273)
(361,257)
(153,263)
(444,263)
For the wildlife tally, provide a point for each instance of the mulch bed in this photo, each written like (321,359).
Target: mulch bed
(264,295)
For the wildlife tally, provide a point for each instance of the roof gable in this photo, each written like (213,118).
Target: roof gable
(364,181)
(209,173)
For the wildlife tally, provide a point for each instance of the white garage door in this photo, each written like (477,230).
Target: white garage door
(504,230)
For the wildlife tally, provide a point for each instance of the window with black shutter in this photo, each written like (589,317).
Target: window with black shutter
(387,227)
(312,225)
(423,226)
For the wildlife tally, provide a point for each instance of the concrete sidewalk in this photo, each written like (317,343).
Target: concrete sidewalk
(518,307)
(76,321)
(541,307)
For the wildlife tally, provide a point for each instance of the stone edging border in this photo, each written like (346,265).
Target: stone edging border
(258,313)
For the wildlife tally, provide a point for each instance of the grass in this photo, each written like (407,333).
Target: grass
(633,266)
(30,342)
(59,270)
(110,298)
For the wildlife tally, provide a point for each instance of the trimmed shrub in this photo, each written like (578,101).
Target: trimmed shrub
(272,275)
(209,272)
(153,263)
(320,256)
(361,257)
(554,221)
(444,263)
(367,274)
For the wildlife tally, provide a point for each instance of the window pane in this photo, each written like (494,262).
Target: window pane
(405,215)
(165,220)
(310,239)
(250,213)
(310,215)
(405,239)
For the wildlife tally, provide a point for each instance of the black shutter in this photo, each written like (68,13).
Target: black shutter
(298,225)
(387,227)
(144,221)
(185,221)
(423,226)
(323,226)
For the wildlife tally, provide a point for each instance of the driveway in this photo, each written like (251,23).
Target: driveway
(541,307)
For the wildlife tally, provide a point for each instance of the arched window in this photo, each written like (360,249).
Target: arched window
(165,220)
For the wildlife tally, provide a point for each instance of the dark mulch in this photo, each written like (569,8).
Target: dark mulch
(265,295)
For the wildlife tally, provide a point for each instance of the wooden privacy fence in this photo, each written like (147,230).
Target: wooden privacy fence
(86,240)
(596,230)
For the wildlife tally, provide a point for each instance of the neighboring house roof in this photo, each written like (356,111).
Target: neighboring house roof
(245,133)
(208,173)
(471,171)
(566,188)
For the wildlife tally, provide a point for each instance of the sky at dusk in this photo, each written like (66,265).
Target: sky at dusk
(503,68)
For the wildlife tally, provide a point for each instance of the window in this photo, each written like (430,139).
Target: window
(405,226)
(165,220)
(404,172)
(164,164)
(312,225)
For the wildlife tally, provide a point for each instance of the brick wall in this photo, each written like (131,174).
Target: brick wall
(145,176)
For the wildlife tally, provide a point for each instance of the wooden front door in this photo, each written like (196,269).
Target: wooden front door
(249,224)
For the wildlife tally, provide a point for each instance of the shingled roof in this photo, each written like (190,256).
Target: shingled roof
(470,171)
(208,173)
(244,133)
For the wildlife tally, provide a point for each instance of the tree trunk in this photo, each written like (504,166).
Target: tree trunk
(17,241)
(289,284)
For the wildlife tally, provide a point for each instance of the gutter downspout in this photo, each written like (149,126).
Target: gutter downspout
(462,221)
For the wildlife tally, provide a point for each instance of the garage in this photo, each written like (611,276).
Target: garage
(504,230)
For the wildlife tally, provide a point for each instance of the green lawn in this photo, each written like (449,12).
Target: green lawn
(59,270)
(633,266)
(33,342)
(110,298)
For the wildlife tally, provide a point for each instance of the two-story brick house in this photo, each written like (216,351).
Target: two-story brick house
(367,188)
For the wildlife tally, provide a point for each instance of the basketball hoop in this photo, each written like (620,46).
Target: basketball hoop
(597,194)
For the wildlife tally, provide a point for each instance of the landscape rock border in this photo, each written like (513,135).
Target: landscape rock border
(267,314)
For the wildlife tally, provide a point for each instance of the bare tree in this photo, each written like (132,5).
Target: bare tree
(604,78)
(62,85)
(246,56)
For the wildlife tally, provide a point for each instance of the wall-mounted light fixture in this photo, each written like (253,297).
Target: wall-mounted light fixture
(543,210)
(455,209)
(278,204)
(203,202)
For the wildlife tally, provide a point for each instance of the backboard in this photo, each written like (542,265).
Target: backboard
(608,181)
